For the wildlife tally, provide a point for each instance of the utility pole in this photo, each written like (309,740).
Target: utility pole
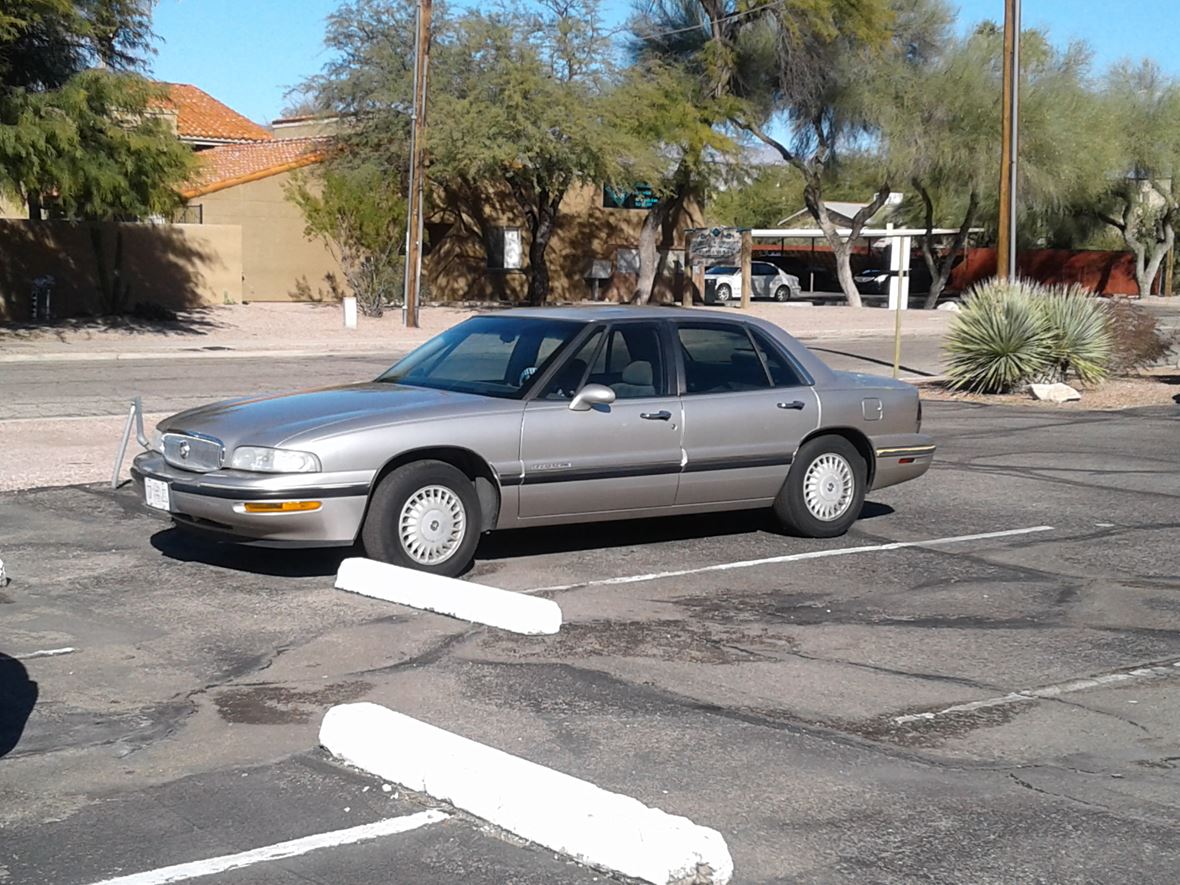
(417,165)
(1010,134)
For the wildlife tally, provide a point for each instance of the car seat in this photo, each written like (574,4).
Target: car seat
(637,381)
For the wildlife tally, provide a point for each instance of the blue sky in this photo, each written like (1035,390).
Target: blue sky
(248,53)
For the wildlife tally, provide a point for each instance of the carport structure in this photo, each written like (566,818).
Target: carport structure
(899,258)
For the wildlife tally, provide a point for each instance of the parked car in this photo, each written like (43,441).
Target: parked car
(540,417)
(872,281)
(766,281)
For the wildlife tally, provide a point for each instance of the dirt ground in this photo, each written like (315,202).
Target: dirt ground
(1157,388)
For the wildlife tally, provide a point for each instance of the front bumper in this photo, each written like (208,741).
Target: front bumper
(212,503)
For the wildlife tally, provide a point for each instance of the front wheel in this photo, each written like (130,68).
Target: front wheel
(424,516)
(724,293)
(782,293)
(825,489)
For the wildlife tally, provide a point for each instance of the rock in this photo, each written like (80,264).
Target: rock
(1054,393)
(952,306)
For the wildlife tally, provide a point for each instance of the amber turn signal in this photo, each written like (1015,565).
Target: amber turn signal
(280,506)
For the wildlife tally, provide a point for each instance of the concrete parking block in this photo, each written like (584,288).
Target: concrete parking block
(449,596)
(560,812)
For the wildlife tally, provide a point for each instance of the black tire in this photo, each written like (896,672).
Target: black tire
(724,293)
(791,506)
(782,293)
(380,533)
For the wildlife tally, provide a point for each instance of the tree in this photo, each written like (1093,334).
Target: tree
(797,67)
(78,132)
(1142,203)
(358,207)
(665,111)
(529,110)
(940,130)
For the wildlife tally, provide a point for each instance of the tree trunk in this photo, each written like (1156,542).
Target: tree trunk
(542,230)
(842,247)
(940,271)
(649,255)
(34,203)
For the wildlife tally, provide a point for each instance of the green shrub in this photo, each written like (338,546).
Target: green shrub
(1009,334)
(998,341)
(1081,342)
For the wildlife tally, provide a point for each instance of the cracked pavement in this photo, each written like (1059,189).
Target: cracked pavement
(760,701)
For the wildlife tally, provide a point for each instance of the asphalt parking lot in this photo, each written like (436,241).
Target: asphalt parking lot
(978,709)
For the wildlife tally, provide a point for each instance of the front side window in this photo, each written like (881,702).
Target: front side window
(720,359)
(631,362)
(572,375)
(489,356)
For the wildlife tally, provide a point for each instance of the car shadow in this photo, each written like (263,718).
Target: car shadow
(18,696)
(322,562)
(628,533)
(284,562)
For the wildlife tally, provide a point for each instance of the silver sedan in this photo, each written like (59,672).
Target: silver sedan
(542,417)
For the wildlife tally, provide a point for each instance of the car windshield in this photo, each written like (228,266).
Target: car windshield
(489,356)
(722,270)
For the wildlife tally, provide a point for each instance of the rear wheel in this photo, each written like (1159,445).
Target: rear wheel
(724,293)
(825,489)
(424,516)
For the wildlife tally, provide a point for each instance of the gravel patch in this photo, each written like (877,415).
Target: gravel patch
(1149,389)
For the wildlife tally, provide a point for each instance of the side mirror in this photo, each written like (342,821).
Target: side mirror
(592,395)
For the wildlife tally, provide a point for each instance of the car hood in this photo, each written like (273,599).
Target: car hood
(303,416)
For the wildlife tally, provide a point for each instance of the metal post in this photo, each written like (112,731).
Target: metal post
(1009,136)
(417,165)
(902,247)
(747,275)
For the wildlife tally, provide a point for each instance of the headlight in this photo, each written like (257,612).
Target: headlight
(157,441)
(265,460)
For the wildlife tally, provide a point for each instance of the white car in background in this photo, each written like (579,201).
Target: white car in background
(767,281)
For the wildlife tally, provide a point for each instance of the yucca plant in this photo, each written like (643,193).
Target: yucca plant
(1081,336)
(999,340)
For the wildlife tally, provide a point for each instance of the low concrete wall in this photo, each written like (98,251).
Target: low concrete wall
(174,265)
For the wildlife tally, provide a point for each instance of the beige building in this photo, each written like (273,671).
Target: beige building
(238,238)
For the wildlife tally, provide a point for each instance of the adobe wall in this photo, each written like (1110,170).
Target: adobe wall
(178,266)
(276,256)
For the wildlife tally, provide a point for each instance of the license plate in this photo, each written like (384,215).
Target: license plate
(155,493)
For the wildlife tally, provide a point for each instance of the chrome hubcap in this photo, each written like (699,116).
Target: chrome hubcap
(828,486)
(432,525)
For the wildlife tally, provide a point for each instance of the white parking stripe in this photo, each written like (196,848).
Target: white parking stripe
(293,848)
(47,653)
(796,557)
(1116,677)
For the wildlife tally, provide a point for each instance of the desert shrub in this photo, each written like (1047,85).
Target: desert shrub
(1080,332)
(999,339)
(1136,340)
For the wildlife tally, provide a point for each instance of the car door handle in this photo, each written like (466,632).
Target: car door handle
(663,415)
(793,404)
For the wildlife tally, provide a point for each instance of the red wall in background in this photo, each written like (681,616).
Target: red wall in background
(1107,273)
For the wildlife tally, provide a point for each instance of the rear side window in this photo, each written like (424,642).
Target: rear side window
(720,359)
(782,373)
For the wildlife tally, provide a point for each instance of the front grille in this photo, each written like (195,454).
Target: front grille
(190,452)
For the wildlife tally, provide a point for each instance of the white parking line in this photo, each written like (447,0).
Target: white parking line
(47,653)
(293,848)
(1115,677)
(796,557)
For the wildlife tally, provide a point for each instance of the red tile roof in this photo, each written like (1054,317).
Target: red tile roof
(199,116)
(231,164)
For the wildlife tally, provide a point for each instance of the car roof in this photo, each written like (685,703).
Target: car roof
(598,313)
